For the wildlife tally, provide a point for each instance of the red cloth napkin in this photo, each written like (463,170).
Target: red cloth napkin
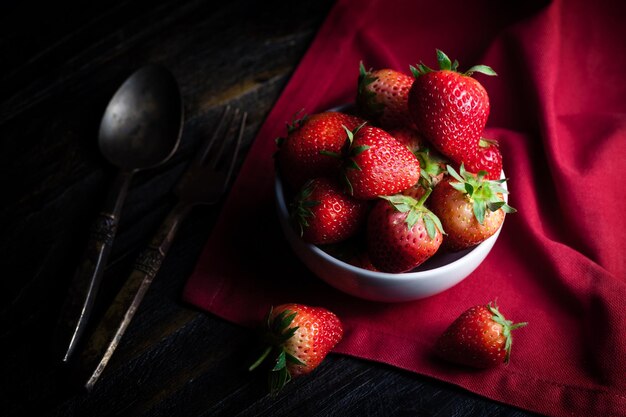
(559,112)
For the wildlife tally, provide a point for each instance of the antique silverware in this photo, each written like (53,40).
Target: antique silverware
(141,128)
(204,182)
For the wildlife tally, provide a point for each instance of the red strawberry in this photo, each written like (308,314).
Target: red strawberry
(402,233)
(480,338)
(416,192)
(376,164)
(300,337)
(408,137)
(325,214)
(299,158)
(382,96)
(449,108)
(470,208)
(487,158)
(362,260)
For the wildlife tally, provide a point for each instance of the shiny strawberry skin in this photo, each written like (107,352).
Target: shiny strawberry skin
(383,97)
(408,137)
(386,167)
(319,330)
(455,211)
(477,338)
(451,110)
(329,215)
(299,158)
(393,246)
(486,158)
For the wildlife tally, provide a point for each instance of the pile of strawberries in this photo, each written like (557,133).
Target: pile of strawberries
(407,173)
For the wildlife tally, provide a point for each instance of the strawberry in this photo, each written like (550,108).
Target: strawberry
(480,338)
(382,96)
(375,164)
(402,233)
(352,251)
(299,337)
(299,158)
(325,214)
(487,158)
(416,192)
(408,137)
(449,108)
(362,260)
(470,207)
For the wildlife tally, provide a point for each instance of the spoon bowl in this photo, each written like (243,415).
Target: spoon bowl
(142,123)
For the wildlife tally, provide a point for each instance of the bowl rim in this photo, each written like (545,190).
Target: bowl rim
(379,275)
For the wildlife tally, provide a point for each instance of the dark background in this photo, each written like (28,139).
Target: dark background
(60,65)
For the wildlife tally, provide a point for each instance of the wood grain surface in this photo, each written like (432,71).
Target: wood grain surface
(61,64)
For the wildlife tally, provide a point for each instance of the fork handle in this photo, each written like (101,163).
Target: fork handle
(86,282)
(123,309)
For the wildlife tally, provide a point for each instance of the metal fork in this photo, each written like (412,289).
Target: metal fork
(204,182)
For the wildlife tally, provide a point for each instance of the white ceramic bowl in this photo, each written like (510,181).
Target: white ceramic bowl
(439,273)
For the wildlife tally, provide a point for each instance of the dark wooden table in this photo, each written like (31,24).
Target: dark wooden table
(61,64)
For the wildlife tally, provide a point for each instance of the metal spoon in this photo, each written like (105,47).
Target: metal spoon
(141,128)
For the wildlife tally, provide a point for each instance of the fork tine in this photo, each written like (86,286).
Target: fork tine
(216,156)
(206,147)
(233,159)
(205,181)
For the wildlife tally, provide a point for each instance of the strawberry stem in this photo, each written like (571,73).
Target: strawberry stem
(261,358)
(423,198)
(278,331)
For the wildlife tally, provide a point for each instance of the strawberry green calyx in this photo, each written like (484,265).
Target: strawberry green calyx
(507,327)
(486,143)
(431,166)
(366,97)
(420,69)
(277,333)
(296,121)
(483,69)
(416,211)
(300,210)
(447,65)
(484,194)
(365,78)
(349,152)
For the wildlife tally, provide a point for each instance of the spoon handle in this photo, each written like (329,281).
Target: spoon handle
(127,301)
(86,282)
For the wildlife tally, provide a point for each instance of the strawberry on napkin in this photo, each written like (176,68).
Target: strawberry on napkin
(559,115)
